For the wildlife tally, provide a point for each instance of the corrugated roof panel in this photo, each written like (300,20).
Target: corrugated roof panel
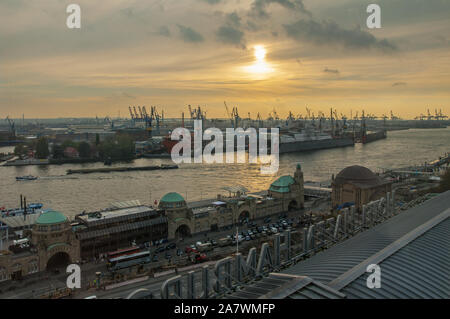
(330,264)
(419,270)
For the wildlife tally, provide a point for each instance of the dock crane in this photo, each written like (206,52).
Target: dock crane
(393,117)
(11,126)
(228,113)
(260,120)
(131,113)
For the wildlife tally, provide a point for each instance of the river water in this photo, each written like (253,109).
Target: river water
(71,194)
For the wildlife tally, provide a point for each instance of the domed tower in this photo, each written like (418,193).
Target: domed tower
(179,216)
(55,241)
(290,190)
(357,185)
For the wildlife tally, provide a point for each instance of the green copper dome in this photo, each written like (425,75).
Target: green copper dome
(172,198)
(51,217)
(282,184)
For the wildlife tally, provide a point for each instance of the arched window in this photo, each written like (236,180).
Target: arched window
(3,274)
(33,266)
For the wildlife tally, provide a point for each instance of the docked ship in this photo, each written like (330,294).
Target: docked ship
(308,141)
(373,136)
(32,208)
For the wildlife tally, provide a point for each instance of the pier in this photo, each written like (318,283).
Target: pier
(119,169)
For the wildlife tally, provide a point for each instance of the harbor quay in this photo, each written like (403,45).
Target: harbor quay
(49,241)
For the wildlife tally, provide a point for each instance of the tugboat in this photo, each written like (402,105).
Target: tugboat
(26,178)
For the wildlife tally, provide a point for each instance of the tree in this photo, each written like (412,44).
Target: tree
(84,149)
(118,148)
(444,185)
(58,151)
(20,149)
(69,143)
(42,151)
(97,139)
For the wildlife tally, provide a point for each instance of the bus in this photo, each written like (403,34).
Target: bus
(126,261)
(123,252)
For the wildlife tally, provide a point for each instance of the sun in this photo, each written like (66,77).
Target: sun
(260,53)
(260,66)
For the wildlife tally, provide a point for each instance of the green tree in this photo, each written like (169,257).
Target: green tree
(69,143)
(42,151)
(20,149)
(118,148)
(58,151)
(444,185)
(84,150)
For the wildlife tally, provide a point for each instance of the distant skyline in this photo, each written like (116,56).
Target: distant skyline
(258,55)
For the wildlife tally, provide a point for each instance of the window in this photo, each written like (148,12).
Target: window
(3,275)
(33,267)
(42,228)
(55,227)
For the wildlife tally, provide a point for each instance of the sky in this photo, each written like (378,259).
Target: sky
(258,55)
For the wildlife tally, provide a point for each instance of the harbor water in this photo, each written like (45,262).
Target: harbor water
(72,194)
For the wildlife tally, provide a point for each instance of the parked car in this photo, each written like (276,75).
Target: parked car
(213,242)
(155,258)
(248,238)
(168,255)
(179,252)
(171,246)
(267,220)
(159,250)
(190,248)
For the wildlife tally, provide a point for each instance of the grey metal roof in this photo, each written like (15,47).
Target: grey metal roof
(281,286)
(420,269)
(83,235)
(330,264)
(19,221)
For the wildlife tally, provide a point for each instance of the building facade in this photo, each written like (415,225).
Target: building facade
(52,244)
(184,219)
(357,185)
(105,231)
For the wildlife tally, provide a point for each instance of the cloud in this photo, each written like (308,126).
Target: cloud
(334,71)
(164,31)
(190,35)
(230,35)
(329,32)
(233,19)
(399,84)
(259,7)
(213,1)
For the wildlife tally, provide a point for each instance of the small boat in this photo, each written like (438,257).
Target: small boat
(26,178)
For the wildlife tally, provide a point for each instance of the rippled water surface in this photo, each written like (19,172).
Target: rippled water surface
(71,194)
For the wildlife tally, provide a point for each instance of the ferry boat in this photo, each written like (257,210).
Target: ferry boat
(26,178)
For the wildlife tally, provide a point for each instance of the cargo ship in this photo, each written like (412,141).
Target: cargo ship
(309,141)
(289,141)
(373,136)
